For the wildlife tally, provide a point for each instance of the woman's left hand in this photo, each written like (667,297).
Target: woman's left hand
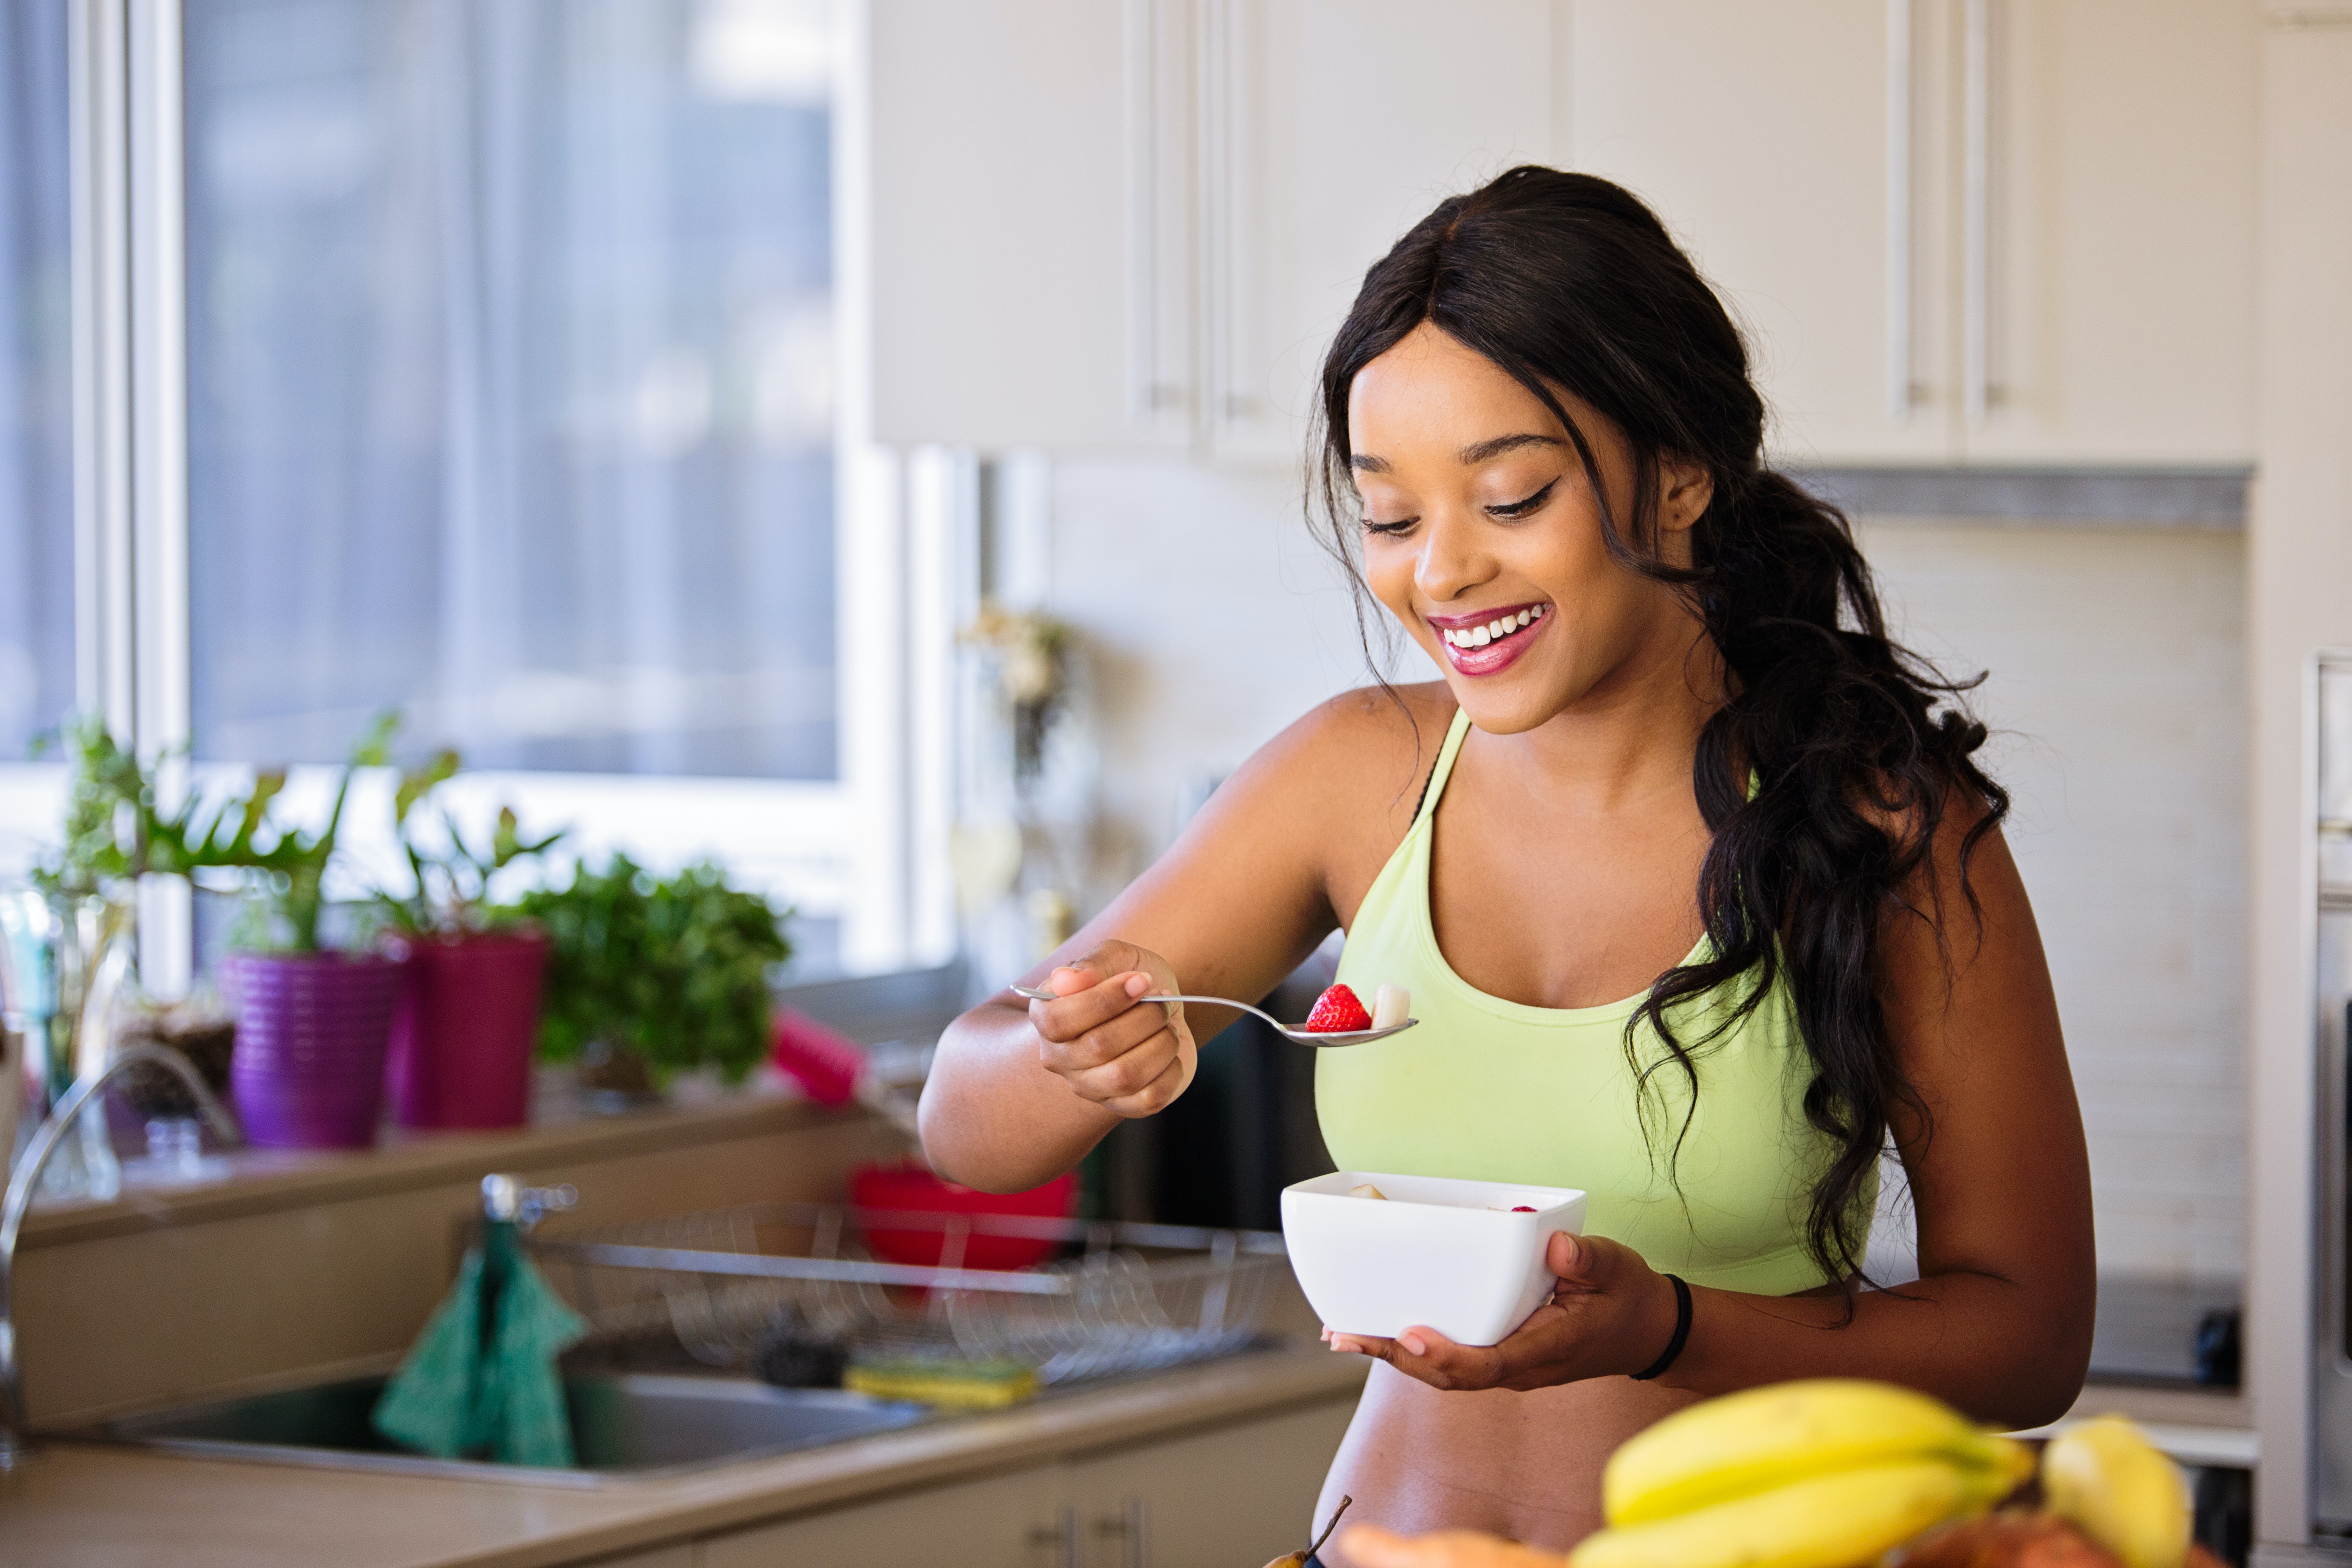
(1611,1314)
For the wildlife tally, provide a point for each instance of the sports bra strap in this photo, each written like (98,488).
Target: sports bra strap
(1445,768)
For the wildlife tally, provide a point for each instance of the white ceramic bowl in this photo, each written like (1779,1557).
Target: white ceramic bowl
(1439,1254)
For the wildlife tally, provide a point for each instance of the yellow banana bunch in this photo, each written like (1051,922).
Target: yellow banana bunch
(1817,1473)
(2106,1479)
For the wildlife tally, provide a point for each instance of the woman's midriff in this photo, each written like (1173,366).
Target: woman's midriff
(1524,1466)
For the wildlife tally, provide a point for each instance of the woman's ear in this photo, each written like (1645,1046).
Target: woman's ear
(1683,489)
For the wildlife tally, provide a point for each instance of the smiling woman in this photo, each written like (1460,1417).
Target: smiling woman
(1701,899)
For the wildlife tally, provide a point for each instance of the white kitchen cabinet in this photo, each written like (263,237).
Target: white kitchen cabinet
(1137,225)
(1761,136)
(1031,214)
(1999,231)
(1234,1494)
(1002,1522)
(2120,227)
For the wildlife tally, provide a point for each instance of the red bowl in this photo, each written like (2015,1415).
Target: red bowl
(878,1189)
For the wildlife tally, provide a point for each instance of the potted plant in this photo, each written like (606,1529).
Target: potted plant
(312,1022)
(461,1039)
(649,976)
(116,832)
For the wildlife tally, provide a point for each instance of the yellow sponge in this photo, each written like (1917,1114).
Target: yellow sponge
(961,1384)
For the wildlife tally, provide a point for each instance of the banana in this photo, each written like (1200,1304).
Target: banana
(1824,1521)
(1751,1441)
(2127,1496)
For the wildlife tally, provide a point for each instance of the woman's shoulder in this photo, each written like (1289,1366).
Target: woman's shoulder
(1357,761)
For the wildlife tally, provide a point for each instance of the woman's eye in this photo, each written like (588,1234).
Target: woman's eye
(1390,529)
(1521,508)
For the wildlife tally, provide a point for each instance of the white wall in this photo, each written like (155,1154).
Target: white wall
(2116,678)
(2116,695)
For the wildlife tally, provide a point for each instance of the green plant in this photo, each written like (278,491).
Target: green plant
(675,970)
(451,896)
(116,833)
(284,885)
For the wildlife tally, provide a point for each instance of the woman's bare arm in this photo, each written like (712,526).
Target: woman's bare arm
(2000,1322)
(1279,856)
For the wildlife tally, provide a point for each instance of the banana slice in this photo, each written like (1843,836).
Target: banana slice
(1366,1190)
(1392,1005)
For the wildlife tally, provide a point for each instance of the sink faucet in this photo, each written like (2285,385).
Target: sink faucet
(16,1444)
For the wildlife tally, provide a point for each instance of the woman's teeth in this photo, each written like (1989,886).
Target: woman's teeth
(1501,626)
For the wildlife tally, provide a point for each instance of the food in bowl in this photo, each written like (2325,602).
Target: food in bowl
(1460,1256)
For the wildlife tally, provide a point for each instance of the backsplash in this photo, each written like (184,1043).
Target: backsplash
(2117,697)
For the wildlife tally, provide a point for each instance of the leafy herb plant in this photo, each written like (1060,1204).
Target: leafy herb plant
(675,970)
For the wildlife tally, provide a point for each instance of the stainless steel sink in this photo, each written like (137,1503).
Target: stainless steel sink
(623,1427)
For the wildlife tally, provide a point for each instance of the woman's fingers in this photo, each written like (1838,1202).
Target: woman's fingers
(1091,1002)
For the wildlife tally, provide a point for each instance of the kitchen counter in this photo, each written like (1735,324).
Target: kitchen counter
(88,1506)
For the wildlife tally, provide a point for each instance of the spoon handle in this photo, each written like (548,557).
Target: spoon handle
(1038,995)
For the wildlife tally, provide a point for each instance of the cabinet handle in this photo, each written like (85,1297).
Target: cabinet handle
(1222,88)
(1900,196)
(1062,1536)
(1976,219)
(1132,1529)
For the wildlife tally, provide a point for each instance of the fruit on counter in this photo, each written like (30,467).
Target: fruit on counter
(2015,1538)
(1392,1005)
(1744,1442)
(1821,1473)
(2126,1496)
(1336,1012)
(1830,1521)
(1366,1190)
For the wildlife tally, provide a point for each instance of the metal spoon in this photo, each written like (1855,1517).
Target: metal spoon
(1303,1037)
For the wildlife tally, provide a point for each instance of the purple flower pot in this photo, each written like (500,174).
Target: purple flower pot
(310,1034)
(462,1039)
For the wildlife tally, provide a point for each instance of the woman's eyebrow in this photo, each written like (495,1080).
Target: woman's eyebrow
(1470,457)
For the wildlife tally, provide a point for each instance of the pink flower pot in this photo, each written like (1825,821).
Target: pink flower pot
(461,1042)
(310,1033)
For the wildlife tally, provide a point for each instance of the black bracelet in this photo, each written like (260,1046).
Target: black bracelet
(1682,1332)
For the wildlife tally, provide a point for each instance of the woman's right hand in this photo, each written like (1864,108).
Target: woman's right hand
(1130,1057)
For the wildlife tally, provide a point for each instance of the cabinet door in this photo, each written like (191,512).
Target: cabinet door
(1031,267)
(1332,126)
(2118,226)
(1006,1522)
(1792,148)
(1239,1494)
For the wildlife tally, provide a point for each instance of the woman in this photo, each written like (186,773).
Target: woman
(1699,892)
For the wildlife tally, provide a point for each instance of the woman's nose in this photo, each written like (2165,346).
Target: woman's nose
(1451,563)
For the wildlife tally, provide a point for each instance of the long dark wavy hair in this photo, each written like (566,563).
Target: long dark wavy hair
(1859,749)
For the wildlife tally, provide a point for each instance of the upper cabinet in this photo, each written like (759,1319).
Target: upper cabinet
(1138,225)
(2000,231)
(1956,231)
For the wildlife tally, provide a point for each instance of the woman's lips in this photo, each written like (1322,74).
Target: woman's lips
(1499,653)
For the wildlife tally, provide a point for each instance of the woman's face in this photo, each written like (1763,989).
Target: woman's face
(1483,537)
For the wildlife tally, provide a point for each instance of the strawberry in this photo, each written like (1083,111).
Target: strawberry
(1336,1011)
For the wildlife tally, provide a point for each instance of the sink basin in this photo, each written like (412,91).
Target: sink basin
(623,1427)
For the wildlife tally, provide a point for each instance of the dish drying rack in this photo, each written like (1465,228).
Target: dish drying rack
(1131,1297)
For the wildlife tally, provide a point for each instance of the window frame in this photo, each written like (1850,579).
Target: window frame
(839,849)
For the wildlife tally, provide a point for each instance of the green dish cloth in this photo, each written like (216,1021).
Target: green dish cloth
(481,1380)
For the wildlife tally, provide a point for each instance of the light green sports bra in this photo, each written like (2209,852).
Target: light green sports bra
(1494,1090)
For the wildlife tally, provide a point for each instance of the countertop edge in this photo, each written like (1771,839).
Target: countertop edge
(966,1449)
(270,1182)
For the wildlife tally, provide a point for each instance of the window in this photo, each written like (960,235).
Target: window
(481,361)
(510,363)
(36,523)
